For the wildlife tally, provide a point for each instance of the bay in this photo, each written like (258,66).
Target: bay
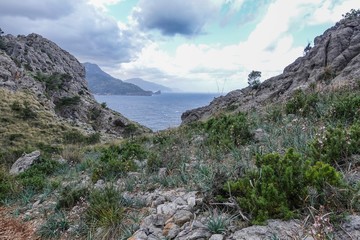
(157,112)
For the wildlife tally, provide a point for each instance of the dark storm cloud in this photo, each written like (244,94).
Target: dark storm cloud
(78,28)
(35,9)
(174,17)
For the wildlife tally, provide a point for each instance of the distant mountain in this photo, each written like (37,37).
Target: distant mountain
(150,86)
(102,83)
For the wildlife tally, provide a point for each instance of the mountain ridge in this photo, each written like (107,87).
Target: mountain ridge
(332,62)
(103,83)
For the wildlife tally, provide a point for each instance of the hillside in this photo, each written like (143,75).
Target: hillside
(44,96)
(103,84)
(149,86)
(278,162)
(331,63)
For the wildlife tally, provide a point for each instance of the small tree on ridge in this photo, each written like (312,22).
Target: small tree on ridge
(254,79)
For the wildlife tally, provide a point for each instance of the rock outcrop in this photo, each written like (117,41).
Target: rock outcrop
(334,61)
(57,79)
(24,162)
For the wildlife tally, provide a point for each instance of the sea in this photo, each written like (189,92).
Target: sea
(157,112)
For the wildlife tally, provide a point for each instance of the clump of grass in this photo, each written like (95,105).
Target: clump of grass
(72,154)
(217,223)
(54,226)
(70,196)
(76,137)
(106,211)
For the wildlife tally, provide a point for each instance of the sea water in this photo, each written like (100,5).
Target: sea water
(156,112)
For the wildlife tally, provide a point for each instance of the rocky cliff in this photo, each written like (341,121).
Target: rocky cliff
(56,79)
(334,61)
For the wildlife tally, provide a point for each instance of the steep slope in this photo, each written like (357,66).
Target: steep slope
(102,83)
(334,61)
(149,86)
(43,85)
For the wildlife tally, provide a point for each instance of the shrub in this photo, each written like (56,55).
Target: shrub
(69,196)
(302,103)
(115,161)
(65,102)
(35,177)
(8,185)
(336,144)
(346,107)
(228,131)
(279,187)
(53,82)
(76,137)
(153,163)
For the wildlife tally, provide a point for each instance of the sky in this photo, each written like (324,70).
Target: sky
(188,45)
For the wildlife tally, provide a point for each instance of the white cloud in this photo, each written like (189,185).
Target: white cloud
(77,26)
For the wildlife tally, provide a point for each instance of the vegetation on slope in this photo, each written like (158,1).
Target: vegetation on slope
(302,162)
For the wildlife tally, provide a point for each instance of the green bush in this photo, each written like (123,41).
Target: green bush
(35,177)
(8,185)
(76,137)
(336,144)
(115,161)
(302,103)
(53,82)
(346,107)
(228,131)
(66,102)
(153,163)
(279,187)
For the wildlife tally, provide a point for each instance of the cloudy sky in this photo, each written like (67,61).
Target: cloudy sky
(192,45)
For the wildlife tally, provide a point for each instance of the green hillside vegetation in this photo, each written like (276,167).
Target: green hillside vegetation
(26,125)
(303,162)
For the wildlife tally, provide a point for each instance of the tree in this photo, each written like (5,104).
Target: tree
(254,79)
(2,43)
(307,49)
(352,14)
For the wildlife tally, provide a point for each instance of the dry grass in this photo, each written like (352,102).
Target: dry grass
(15,229)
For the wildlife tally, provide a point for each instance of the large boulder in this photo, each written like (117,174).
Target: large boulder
(24,162)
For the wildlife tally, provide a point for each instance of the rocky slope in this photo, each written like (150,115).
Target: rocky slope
(334,61)
(102,83)
(56,80)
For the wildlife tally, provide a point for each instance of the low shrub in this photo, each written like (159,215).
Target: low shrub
(279,187)
(336,144)
(345,107)
(70,196)
(76,137)
(117,160)
(8,185)
(66,102)
(35,177)
(228,131)
(302,103)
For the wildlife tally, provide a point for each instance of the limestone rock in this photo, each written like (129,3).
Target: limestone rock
(24,162)
(216,237)
(280,229)
(182,216)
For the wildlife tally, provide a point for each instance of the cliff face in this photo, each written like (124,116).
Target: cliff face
(334,61)
(57,80)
